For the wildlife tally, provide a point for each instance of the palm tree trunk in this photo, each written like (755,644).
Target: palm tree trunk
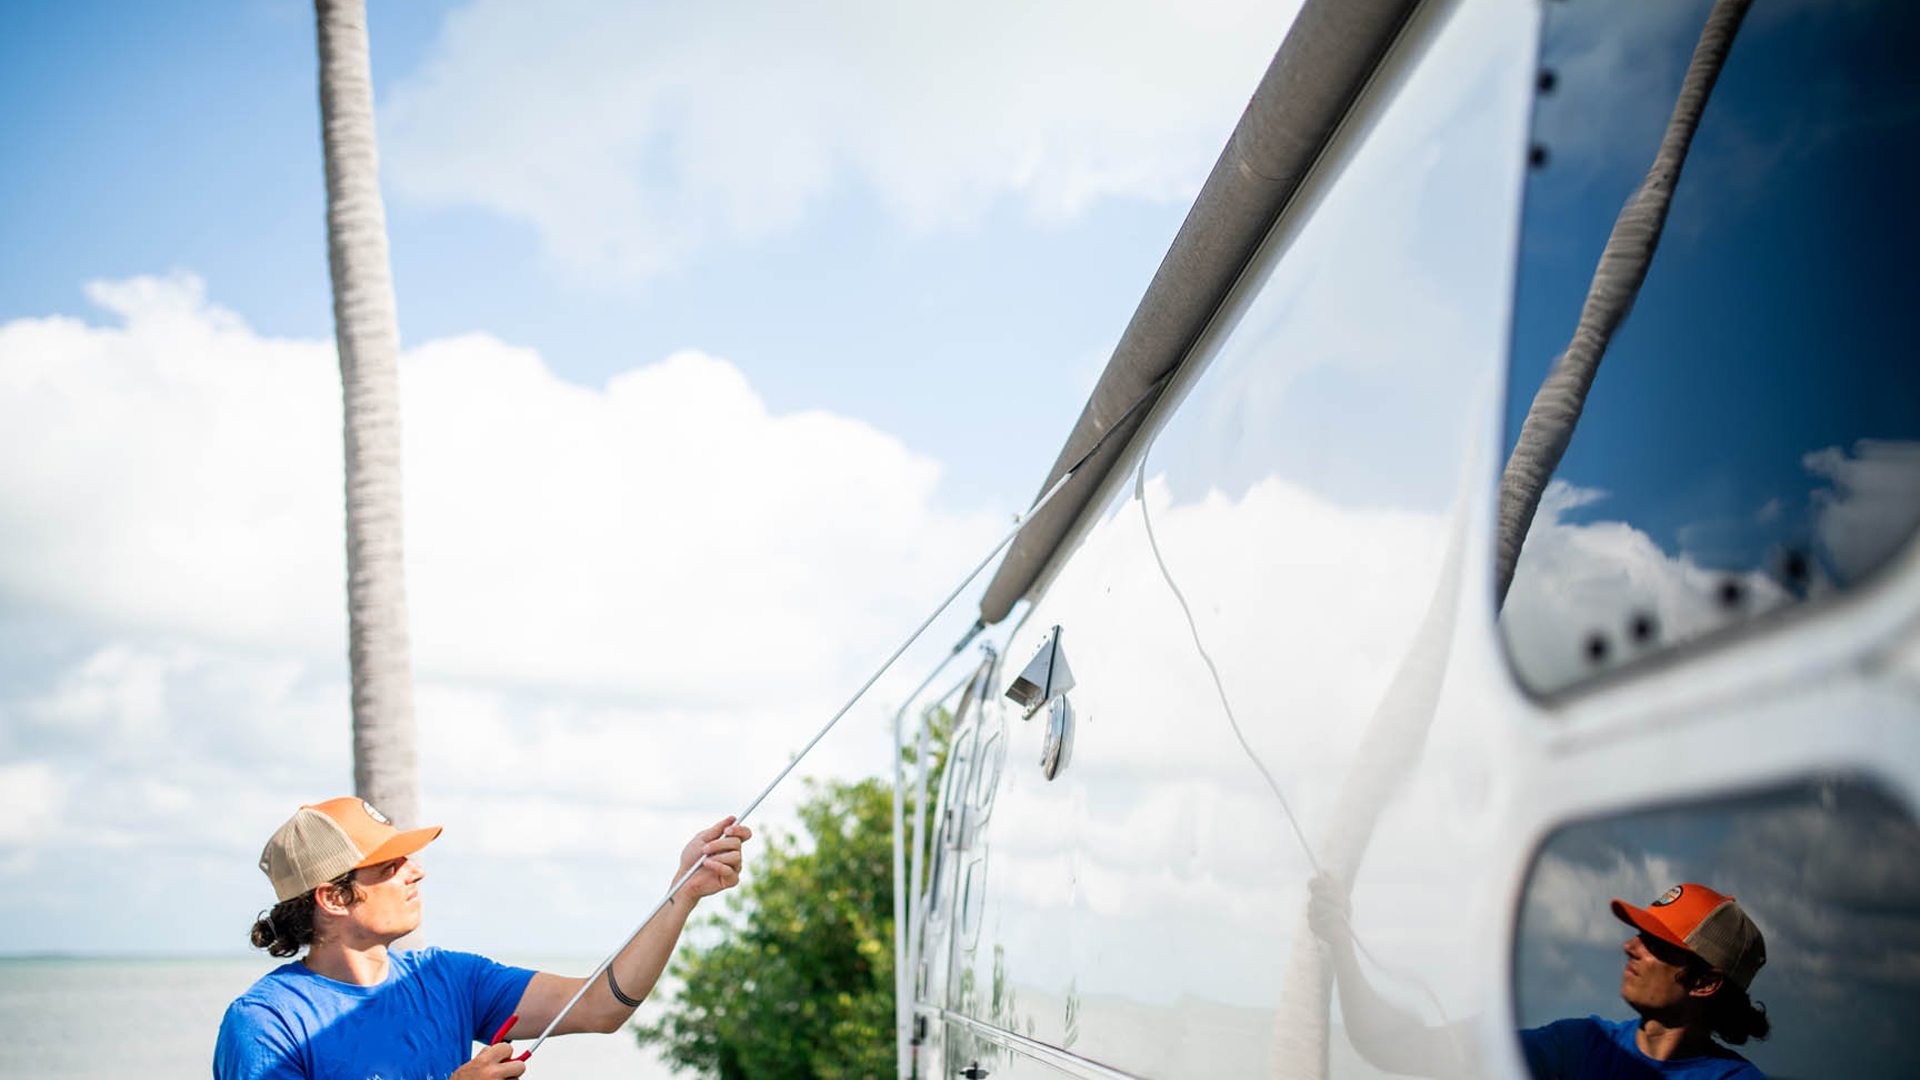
(367,330)
(1616,282)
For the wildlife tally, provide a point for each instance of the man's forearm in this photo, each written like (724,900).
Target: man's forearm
(637,967)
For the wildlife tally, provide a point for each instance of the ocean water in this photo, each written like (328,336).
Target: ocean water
(156,1019)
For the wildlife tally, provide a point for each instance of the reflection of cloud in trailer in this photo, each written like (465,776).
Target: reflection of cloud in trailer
(1582,581)
(1872,506)
(1615,80)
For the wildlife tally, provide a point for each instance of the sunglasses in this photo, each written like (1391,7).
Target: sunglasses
(380,872)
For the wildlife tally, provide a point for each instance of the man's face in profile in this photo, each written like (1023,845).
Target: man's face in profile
(1651,980)
(390,897)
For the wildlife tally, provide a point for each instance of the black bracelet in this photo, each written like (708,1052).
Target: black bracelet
(618,996)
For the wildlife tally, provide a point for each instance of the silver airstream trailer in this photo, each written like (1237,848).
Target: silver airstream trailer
(1501,503)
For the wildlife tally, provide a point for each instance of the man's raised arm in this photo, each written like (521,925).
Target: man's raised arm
(631,977)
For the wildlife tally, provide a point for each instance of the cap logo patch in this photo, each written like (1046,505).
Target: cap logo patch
(1672,895)
(382,818)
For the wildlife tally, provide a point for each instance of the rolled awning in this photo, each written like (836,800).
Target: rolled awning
(1327,58)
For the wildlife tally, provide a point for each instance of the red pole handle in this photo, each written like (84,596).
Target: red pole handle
(500,1035)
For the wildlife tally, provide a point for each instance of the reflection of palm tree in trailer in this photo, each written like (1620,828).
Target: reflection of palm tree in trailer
(1624,261)
(1399,725)
(367,332)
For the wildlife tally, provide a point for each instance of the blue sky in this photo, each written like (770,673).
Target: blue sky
(732,337)
(189,140)
(1798,276)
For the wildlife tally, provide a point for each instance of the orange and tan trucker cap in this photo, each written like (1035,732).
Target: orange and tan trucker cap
(1706,923)
(321,842)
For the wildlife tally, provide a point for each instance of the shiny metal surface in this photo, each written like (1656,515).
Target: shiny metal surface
(1293,697)
(1056,749)
(1010,1056)
(936,915)
(1144,909)
(1045,676)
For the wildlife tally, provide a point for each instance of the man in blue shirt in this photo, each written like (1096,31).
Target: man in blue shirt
(353,1008)
(1686,976)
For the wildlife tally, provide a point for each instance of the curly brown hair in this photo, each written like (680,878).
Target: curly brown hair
(1735,1017)
(1730,1013)
(287,927)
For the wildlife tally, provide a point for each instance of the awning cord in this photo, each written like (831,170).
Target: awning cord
(1020,522)
(1286,808)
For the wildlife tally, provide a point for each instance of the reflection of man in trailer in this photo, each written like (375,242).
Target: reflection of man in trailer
(1687,975)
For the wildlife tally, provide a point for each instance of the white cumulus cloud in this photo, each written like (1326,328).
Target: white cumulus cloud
(630,604)
(629,135)
(665,534)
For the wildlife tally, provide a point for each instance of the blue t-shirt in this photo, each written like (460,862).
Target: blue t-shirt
(420,1023)
(1596,1049)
